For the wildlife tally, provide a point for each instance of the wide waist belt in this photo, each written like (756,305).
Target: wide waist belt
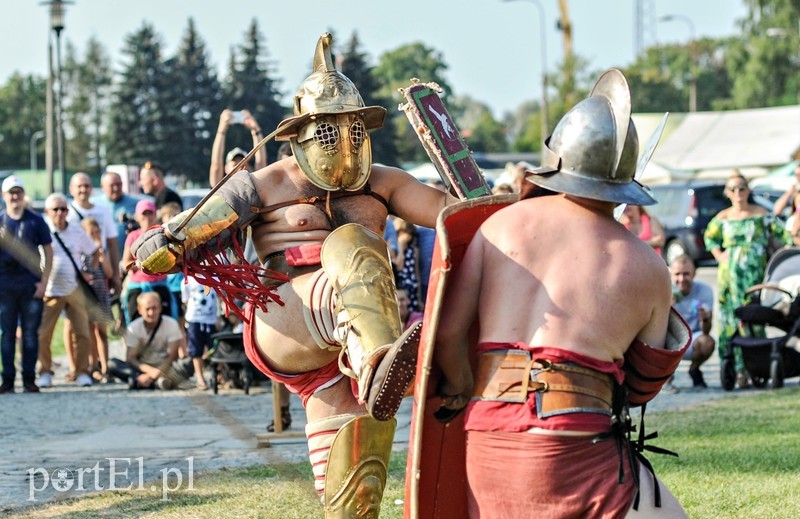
(509,375)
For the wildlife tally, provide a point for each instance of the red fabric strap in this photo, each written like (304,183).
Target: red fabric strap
(304,255)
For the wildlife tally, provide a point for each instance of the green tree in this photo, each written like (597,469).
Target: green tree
(87,84)
(660,79)
(198,95)
(766,65)
(22,113)
(395,69)
(250,85)
(355,65)
(570,87)
(480,129)
(525,128)
(140,112)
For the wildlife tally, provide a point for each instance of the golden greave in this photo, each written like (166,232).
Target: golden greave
(356,261)
(357,465)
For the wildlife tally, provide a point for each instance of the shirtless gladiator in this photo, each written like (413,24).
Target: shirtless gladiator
(324,206)
(587,294)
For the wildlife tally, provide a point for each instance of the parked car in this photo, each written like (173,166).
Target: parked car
(684,209)
(191,197)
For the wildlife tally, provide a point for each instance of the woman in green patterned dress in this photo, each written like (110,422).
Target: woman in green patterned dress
(738,238)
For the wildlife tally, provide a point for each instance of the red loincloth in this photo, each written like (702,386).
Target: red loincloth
(513,417)
(303,384)
(519,474)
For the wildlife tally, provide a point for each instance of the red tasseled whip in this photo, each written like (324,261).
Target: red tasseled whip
(233,281)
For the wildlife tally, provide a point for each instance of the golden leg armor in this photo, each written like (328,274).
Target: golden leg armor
(357,466)
(382,357)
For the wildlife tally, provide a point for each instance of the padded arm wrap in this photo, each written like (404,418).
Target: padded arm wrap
(647,369)
(241,195)
(229,209)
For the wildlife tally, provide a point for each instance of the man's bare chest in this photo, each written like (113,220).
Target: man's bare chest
(321,213)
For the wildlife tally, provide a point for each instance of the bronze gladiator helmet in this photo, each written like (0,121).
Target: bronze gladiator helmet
(329,132)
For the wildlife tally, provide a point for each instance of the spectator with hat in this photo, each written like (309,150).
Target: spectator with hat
(26,256)
(139,281)
(219,168)
(152,179)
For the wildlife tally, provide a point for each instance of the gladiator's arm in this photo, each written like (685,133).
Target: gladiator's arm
(647,369)
(159,251)
(461,309)
(414,201)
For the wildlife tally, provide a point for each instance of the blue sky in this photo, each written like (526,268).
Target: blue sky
(492,47)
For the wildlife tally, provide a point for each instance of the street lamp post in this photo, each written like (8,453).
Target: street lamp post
(692,57)
(34,138)
(57,25)
(545,131)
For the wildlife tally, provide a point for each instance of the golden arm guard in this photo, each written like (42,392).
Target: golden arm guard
(159,251)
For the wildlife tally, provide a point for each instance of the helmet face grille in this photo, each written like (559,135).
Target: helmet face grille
(357,133)
(326,136)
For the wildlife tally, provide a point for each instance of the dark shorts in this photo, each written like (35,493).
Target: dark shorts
(199,338)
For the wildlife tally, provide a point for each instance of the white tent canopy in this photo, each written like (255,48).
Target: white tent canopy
(760,138)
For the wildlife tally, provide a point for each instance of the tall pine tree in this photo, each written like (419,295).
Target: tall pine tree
(354,65)
(86,94)
(250,86)
(140,112)
(197,93)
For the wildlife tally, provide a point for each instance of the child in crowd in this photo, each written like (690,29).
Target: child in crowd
(98,353)
(201,323)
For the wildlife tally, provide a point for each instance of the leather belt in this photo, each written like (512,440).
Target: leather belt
(509,375)
(277,261)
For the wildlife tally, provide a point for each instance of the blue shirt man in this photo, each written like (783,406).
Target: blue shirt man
(25,249)
(123,205)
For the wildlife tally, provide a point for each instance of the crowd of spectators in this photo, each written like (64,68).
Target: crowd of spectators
(46,262)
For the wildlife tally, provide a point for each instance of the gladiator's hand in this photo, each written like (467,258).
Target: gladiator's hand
(454,400)
(155,253)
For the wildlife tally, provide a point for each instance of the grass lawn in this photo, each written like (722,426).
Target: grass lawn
(739,457)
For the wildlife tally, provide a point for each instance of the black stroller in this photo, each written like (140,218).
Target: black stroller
(228,358)
(773,303)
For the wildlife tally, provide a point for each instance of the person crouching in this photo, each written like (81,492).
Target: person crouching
(153,341)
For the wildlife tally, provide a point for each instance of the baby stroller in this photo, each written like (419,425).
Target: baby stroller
(773,303)
(227,358)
